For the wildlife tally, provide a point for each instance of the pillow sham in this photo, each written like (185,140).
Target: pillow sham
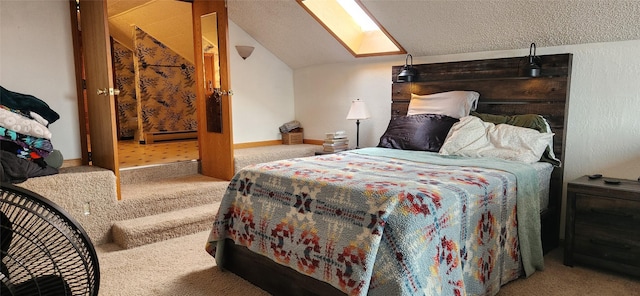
(422,132)
(456,103)
(532,121)
(473,137)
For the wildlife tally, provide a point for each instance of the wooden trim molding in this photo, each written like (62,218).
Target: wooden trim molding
(312,141)
(71,162)
(273,142)
(256,144)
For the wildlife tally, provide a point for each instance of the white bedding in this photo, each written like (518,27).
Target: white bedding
(472,137)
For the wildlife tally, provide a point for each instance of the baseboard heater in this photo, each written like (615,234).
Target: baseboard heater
(153,137)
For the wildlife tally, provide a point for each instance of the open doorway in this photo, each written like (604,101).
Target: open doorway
(153,67)
(96,91)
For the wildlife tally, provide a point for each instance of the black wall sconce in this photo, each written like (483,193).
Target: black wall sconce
(533,68)
(408,73)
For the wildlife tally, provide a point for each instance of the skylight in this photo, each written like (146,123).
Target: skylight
(353,26)
(358,15)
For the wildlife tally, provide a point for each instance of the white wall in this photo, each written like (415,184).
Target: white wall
(36,58)
(262,91)
(324,94)
(604,126)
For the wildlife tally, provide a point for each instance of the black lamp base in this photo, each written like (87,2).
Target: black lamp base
(357,133)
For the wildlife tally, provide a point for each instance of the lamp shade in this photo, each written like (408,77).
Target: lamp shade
(358,110)
(244,51)
(408,73)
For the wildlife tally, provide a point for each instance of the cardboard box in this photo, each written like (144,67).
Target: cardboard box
(293,137)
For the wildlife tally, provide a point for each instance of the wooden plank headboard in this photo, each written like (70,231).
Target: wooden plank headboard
(505,89)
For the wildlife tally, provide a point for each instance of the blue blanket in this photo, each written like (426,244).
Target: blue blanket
(387,222)
(528,203)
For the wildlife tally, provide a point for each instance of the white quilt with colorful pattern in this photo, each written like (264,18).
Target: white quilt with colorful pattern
(378,221)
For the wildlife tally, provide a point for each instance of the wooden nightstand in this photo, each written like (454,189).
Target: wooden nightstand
(603,224)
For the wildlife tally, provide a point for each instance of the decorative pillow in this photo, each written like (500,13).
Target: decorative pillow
(532,121)
(473,137)
(422,132)
(456,104)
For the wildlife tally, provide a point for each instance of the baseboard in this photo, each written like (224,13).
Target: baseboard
(273,142)
(150,138)
(257,144)
(312,142)
(71,163)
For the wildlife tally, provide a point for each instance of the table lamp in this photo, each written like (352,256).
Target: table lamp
(358,111)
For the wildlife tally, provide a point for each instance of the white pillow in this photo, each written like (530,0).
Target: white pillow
(456,103)
(550,145)
(473,137)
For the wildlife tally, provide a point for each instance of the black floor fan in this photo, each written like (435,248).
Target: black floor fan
(44,251)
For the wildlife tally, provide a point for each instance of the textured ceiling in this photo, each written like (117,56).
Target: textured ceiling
(427,27)
(437,27)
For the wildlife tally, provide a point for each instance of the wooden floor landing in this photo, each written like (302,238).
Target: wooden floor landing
(133,154)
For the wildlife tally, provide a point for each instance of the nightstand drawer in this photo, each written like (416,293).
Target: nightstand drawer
(610,249)
(618,207)
(606,229)
(607,212)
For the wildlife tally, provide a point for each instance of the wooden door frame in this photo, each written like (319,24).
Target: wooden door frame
(79,70)
(216,150)
(96,74)
(219,164)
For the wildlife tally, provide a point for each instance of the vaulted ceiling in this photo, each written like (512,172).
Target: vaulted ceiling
(166,20)
(423,28)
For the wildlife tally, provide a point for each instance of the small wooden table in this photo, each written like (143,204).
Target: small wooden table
(603,224)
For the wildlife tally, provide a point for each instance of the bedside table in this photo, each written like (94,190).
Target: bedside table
(603,224)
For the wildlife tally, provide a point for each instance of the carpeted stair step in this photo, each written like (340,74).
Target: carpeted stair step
(254,155)
(167,201)
(137,175)
(150,229)
(155,197)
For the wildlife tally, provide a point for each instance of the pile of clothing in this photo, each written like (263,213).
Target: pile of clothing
(25,139)
(290,126)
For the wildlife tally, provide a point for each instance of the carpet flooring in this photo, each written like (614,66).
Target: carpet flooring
(180,266)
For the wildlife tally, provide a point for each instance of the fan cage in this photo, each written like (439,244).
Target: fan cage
(46,246)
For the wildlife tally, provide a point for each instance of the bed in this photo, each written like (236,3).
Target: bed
(381,221)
